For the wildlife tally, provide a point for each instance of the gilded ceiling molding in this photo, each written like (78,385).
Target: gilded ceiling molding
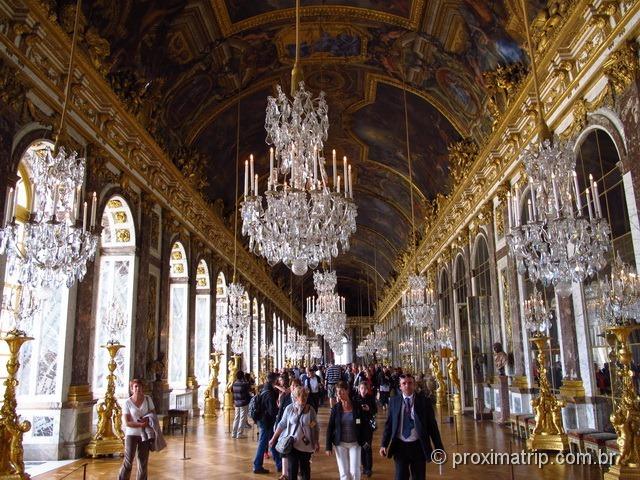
(98,114)
(498,156)
(229,28)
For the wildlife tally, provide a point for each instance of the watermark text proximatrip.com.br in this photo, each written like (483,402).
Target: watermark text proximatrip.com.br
(540,459)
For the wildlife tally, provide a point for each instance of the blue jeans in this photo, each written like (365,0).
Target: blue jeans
(266,432)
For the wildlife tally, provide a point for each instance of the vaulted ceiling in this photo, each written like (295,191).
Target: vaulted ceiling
(183,66)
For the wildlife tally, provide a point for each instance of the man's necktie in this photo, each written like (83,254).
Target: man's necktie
(407,423)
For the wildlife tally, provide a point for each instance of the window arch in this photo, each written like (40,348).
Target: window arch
(114,302)
(480,327)
(444,292)
(255,341)
(178,316)
(221,309)
(203,323)
(262,346)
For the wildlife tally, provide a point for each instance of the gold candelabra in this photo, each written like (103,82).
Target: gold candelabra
(233,366)
(262,375)
(452,369)
(626,414)
(11,429)
(211,402)
(549,433)
(441,392)
(109,437)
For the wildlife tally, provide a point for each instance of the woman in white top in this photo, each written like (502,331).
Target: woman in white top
(135,408)
(306,436)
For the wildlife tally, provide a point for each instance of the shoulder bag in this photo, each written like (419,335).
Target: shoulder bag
(284,445)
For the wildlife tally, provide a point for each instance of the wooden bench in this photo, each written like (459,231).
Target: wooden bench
(523,431)
(595,443)
(576,438)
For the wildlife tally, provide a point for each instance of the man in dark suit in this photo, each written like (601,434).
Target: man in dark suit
(410,431)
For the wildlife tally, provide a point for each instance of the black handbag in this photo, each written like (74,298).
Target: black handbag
(284,445)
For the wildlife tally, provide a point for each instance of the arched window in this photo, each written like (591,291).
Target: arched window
(203,324)
(114,302)
(464,350)
(262,346)
(481,334)
(178,316)
(255,340)
(221,309)
(597,155)
(444,294)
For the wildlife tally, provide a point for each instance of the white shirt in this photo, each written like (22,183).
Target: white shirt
(136,413)
(313,384)
(414,433)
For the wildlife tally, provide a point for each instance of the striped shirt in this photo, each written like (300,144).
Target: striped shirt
(348,428)
(333,375)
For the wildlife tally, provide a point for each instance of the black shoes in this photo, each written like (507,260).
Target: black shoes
(261,470)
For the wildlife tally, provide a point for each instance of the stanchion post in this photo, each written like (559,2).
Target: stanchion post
(184,442)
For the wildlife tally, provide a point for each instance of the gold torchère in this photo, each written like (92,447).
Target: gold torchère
(548,433)
(109,437)
(11,429)
(441,392)
(626,415)
(262,375)
(452,369)
(211,402)
(233,365)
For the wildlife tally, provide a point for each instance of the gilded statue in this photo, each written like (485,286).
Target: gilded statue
(452,370)
(461,156)
(109,413)
(214,368)
(233,369)
(548,22)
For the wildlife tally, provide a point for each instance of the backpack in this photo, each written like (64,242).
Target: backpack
(256,410)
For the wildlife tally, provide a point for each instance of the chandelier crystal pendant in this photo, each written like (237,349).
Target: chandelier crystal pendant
(302,220)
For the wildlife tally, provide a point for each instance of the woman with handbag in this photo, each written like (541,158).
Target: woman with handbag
(346,433)
(367,402)
(135,411)
(297,435)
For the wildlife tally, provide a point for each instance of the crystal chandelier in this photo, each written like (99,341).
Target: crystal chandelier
(537,317)
(559,244)
(443,337)
(53,247)
(406,347)
(236,319)
(219,339)
(618,300)
(290,343)
(418,303)
(115,322)
(326,312)
(315,351)
(19,309)
(305,220)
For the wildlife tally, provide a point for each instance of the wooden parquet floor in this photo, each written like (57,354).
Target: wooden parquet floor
(214,454)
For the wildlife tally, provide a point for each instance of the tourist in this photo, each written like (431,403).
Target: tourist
(241,398)
(283,402)
(299,420)
(410,431)
(345,434)
(385,388)
(332,378)
(134,411)
(311,382)
(267,400)
(367,402)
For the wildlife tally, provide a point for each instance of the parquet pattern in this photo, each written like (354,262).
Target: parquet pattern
(214,454)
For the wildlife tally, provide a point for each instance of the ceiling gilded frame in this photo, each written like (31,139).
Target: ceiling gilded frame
(228,28)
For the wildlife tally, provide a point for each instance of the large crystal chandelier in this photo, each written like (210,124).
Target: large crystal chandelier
(53,247)
(305,219)
(537,316)
(562,241)
(418,303)
(315,352)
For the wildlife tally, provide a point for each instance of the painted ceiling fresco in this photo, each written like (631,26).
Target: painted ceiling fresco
(182,66)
